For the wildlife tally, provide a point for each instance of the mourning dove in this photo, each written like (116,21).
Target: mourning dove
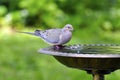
(54,36)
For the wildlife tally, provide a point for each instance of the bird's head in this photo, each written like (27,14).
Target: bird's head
(68,27)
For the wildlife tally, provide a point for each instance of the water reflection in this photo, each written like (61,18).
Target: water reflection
(92,49)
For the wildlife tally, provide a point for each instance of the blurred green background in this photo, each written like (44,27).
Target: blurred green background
(94,21)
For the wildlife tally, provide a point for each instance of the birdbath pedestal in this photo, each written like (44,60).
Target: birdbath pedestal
(96,59)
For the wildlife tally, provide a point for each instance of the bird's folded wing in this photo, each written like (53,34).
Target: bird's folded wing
(51,35)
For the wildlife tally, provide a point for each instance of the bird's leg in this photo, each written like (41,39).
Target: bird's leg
(58,47)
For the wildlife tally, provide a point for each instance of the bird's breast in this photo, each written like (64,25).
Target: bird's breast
(65,37)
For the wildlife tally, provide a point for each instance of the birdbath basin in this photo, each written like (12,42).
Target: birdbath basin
(96,59)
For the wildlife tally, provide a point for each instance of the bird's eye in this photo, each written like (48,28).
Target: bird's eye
(69,27)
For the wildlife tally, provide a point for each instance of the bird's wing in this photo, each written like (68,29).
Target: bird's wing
(51,35)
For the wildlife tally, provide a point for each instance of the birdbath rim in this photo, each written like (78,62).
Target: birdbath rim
(53,52)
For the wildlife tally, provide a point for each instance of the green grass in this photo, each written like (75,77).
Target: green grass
(20,60)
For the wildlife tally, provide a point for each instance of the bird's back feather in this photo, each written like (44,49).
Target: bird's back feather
(51,35)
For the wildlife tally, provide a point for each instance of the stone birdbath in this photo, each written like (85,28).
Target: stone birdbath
(96,59)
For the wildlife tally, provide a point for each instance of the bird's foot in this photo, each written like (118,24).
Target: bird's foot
(58,47)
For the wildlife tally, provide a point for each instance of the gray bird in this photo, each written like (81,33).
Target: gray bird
(54,36)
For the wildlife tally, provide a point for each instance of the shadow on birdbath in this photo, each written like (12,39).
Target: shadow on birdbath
(96,59)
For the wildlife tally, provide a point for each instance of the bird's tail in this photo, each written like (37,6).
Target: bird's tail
(31,33)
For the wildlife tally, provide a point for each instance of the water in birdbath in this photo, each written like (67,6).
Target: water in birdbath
(92,49)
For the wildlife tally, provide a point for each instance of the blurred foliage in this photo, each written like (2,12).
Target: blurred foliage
(54,13)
